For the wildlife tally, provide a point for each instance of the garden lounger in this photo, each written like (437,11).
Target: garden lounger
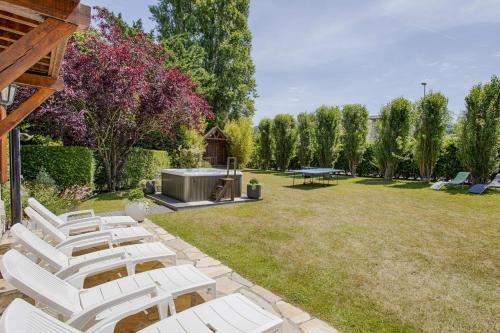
(108,302)
(459,179)
(481,188)
(67,244)
(75,269)
(228,314)
(69,223)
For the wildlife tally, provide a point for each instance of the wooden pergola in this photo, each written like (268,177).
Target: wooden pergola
(33,39)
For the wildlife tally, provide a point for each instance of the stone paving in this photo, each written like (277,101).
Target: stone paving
(228,281)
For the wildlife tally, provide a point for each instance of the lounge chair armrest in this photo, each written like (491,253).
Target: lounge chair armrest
(94,219)
(93,238)
(77,268)
(80,320)
(108,325)
(69,215)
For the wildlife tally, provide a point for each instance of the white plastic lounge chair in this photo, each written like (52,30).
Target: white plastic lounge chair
(67,244)
(108,302)
(228,314)
(71,223)
(76,269)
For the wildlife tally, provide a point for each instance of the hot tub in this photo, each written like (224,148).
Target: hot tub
(195,184)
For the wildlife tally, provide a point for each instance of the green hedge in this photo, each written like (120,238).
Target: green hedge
(67,165)
(142,164)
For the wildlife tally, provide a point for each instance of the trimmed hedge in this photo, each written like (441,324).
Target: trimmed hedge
(66,165)
(142,164)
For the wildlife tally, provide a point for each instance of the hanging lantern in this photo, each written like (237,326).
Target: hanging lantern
(8,94)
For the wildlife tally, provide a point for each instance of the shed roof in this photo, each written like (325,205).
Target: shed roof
(215,133)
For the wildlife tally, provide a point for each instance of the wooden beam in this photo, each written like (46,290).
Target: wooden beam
(70,11)
(19,19)
(4,156)
(28,50)
(18,115)
(59,9)
(40,81)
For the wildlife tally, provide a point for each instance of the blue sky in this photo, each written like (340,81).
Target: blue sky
(309,53)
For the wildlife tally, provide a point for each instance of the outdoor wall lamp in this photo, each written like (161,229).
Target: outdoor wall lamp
(8,94)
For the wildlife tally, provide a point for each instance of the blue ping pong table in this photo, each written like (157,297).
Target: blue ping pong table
(311,173)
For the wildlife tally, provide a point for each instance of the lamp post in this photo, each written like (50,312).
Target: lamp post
(16,209)
(424,84)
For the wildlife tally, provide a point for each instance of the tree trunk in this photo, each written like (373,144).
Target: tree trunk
(389,171)
(353,169)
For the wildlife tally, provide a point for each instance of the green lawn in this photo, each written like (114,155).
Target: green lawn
(366,255)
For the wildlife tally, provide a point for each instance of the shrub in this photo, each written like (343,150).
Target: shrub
(431,119)
(66,165)
(327,134)
(190,152)
(479,130)
(368,165)
(265,141)
(341,163)
(240,136)
(143,164)
(284,136)
(355,124)
(448,163)
(305,151)
(392,128)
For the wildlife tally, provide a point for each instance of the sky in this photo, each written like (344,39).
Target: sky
(335,52)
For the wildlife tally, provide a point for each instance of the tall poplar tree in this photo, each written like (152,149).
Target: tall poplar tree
(355,124)
(431,118)
(327,134)
(265,142)
(305,150)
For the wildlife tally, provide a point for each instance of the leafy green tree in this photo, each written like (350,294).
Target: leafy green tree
(241,143)
(220,29)
(285,137)
(431,120)
(305,125)
(265,142)
(479,130)
(355,124)
(327,134)
(448,163)
(393,129)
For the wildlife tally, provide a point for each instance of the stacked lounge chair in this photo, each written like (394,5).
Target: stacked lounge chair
(54,278)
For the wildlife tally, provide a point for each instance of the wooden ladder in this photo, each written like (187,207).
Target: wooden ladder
(226,184)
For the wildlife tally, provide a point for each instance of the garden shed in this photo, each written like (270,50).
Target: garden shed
(216,151)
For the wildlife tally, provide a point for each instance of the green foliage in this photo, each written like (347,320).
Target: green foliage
(190,152)
(355,124)
(265,142)
(211,41)
(327,134)
(66,165)
(241,142)
(431,120)
(342,162)
(305,151)
(253,181)
(368,165)
(448,163)
(143,164)
(392,128)
(135,194)
(479,130)
(284,132)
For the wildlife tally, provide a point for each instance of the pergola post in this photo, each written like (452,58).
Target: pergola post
(16,208)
